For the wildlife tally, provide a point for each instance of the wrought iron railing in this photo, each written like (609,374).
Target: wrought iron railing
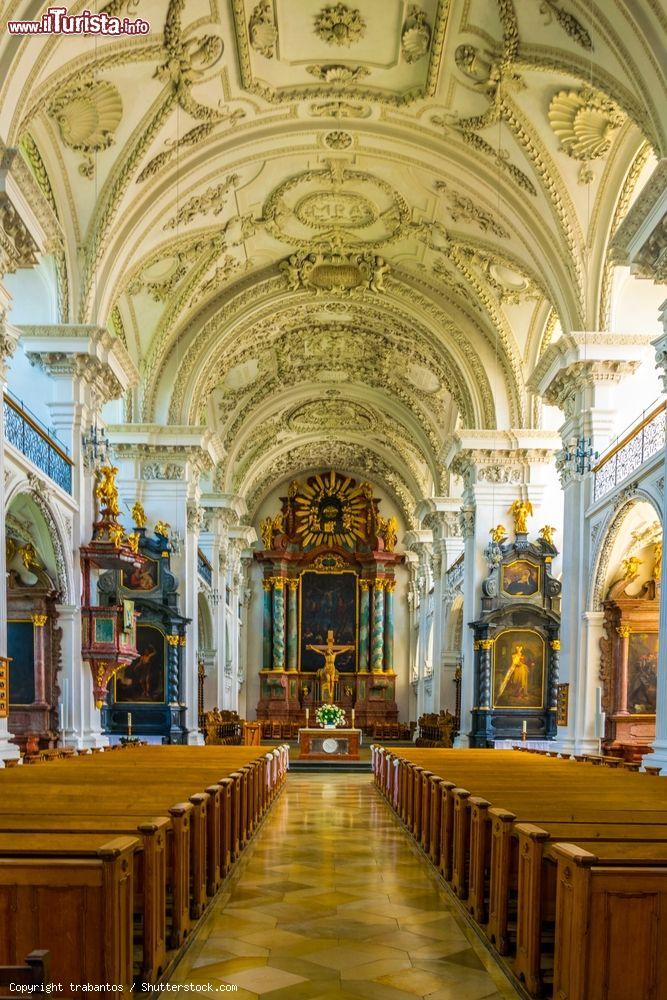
(24,432)
(204,567)
(642,442)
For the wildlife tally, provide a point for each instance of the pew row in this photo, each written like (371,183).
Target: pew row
(493,822)
(188,813)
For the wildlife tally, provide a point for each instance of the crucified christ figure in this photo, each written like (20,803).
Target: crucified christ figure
(328,674)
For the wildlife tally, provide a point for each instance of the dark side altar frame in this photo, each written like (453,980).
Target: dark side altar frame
(518,707)
(327,571)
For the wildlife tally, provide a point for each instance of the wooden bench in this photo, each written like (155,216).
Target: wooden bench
(31,977)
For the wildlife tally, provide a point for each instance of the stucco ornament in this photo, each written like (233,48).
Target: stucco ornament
(340,25)
(584,121)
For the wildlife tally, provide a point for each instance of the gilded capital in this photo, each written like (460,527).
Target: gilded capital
(38,620)
(624,631)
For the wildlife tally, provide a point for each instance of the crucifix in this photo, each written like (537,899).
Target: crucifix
(328,674)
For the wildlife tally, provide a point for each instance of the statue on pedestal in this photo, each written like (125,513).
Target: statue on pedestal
(328,675)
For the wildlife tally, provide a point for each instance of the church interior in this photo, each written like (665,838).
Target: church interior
(333,351)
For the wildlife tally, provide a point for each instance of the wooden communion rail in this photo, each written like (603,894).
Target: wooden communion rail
(563,865)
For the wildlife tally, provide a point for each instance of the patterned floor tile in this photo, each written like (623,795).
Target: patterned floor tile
(331,901)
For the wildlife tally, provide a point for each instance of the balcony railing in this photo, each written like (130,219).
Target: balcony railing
(24,432)
(204,568)
(642,442)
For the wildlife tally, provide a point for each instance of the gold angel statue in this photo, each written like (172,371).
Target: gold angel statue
(269,527)
(390,534)
(162,528)
(106,491)
(521,509)
(547,534)
(139,515)
(498,534)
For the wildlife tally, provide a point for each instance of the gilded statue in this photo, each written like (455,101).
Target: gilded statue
(133,541)
(115,532)
(498,534)
(657,560)
(521,510)
(139,515)
(328,675)
(630,568)
(389,533)
(269,527)
(547,534)
(28,555)
(162,528)
(106,491)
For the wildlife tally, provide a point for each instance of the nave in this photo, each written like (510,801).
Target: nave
(331,900)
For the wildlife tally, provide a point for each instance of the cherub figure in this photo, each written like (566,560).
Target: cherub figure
(547,534)
(498,534)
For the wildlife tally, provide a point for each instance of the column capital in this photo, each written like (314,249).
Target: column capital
(579,361)
(173,452)
(9,338)
(28,224)
(641,239)
(660,347)
(441,515)
(496,458)
(86,354)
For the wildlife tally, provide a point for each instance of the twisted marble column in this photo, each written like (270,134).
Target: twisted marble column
(292,625)
(364,622)
(389,625)
(278,623)
(377,642)
(266,625)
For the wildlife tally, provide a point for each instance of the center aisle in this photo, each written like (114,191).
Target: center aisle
(331,901)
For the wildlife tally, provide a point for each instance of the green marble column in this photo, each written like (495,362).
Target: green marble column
(389,625)
(377,633)
(278,623)
(364,623)
(266,626)
(292,624)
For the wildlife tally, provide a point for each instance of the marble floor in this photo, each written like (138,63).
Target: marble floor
(331,900)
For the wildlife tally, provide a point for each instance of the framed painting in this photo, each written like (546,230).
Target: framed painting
(143,681)
(518,669)
(21,651)
(104,630)
(642,672)
(328,601)
(144,578)
(520,579)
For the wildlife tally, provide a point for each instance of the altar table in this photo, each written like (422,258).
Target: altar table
(329,744)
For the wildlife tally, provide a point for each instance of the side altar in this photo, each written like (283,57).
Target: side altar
(329,565)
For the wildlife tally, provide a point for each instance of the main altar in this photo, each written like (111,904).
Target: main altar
(328,563)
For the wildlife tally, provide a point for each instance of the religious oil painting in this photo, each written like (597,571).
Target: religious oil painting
(328,602)
(521,578)
(642,672)
(144,679)
(518,669)
(21,649)
(144,577)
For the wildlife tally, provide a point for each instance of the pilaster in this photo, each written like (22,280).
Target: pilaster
(580,374)
(659,755)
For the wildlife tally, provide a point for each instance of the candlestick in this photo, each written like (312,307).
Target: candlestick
(524,731)
(524,726)
(352,715)
(598,700)
(129,725)
(307,715)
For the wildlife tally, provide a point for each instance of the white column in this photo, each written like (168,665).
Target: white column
(8,341)
(580,374)
(659,756)
(191,591)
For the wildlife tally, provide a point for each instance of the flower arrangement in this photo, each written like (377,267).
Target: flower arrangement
(330,715)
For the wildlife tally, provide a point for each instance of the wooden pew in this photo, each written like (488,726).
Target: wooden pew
(75,894)
(31,977)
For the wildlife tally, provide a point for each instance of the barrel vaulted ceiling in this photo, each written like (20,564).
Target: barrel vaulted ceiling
(336,231)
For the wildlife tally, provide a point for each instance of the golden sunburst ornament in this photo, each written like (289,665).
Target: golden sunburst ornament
(331,509)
